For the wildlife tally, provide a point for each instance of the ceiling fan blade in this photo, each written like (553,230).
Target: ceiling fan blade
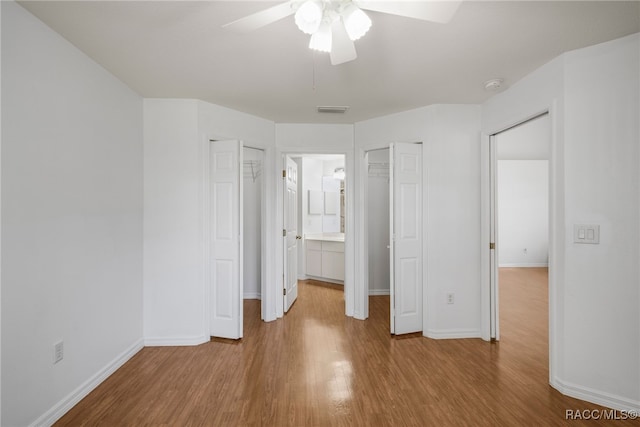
(342,48)
(426,10)
(262,18)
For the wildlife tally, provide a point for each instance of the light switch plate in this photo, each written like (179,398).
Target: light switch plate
(586,233)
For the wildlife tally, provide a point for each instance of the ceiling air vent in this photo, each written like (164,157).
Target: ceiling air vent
(332,109)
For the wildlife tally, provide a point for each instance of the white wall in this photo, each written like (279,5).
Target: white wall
(173,298)
(378,226)
(71,219)
(594,97)
(252,229)
(522,154)
(602,305)
(451,208)
(176,135)
(452,221)
(523,213)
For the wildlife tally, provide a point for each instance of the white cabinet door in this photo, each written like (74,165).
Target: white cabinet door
(225,188)
(406,232)
(314,258)
(333,265)
(333,260)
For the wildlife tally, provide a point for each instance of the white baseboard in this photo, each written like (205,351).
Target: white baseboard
(175,341)
(59,409)
(595,396)
(448,334)
(376,292)
(252,295)
(524,264)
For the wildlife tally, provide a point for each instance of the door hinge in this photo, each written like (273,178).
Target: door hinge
(284,173)
(284,291)
(284,233)
(492,245)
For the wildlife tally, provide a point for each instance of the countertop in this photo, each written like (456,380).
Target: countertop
(327,237)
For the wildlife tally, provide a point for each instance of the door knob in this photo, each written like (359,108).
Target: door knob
(298,237)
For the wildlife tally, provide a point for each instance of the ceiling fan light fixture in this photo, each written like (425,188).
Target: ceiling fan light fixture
(321,40)
(309,15)
(356,22)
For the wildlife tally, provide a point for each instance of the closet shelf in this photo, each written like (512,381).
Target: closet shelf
(252,169)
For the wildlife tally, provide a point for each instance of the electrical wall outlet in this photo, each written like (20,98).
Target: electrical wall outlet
(450,298)
(58,352)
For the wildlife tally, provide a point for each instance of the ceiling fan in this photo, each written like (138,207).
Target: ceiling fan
(335,24)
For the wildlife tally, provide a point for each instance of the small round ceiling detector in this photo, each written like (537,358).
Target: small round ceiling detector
(493,84)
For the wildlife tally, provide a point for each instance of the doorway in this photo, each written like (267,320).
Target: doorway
(316,201)
(252,199)
(378,204)
(234,220)
(378,230)
(520,222)
(403,228)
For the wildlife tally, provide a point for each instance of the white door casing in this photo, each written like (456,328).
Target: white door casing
(226,239)
(291,233)
(493,239)
(406,237)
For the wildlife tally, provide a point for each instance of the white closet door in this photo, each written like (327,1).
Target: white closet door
(406,233)
(226,239)
(291,236)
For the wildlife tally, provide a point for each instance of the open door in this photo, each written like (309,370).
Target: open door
(405,190)
(493,238)
(226,239)
(290,232)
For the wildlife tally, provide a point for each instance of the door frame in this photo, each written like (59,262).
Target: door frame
(349,252)
(362,227)
(205,227)
(489,294)
(363,231)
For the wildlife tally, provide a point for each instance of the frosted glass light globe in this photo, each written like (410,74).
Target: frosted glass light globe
(309,16)
(321,40)
(356,22)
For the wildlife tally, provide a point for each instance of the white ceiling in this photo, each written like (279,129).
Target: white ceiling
(177,49)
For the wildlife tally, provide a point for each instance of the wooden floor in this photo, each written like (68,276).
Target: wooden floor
(317,367)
